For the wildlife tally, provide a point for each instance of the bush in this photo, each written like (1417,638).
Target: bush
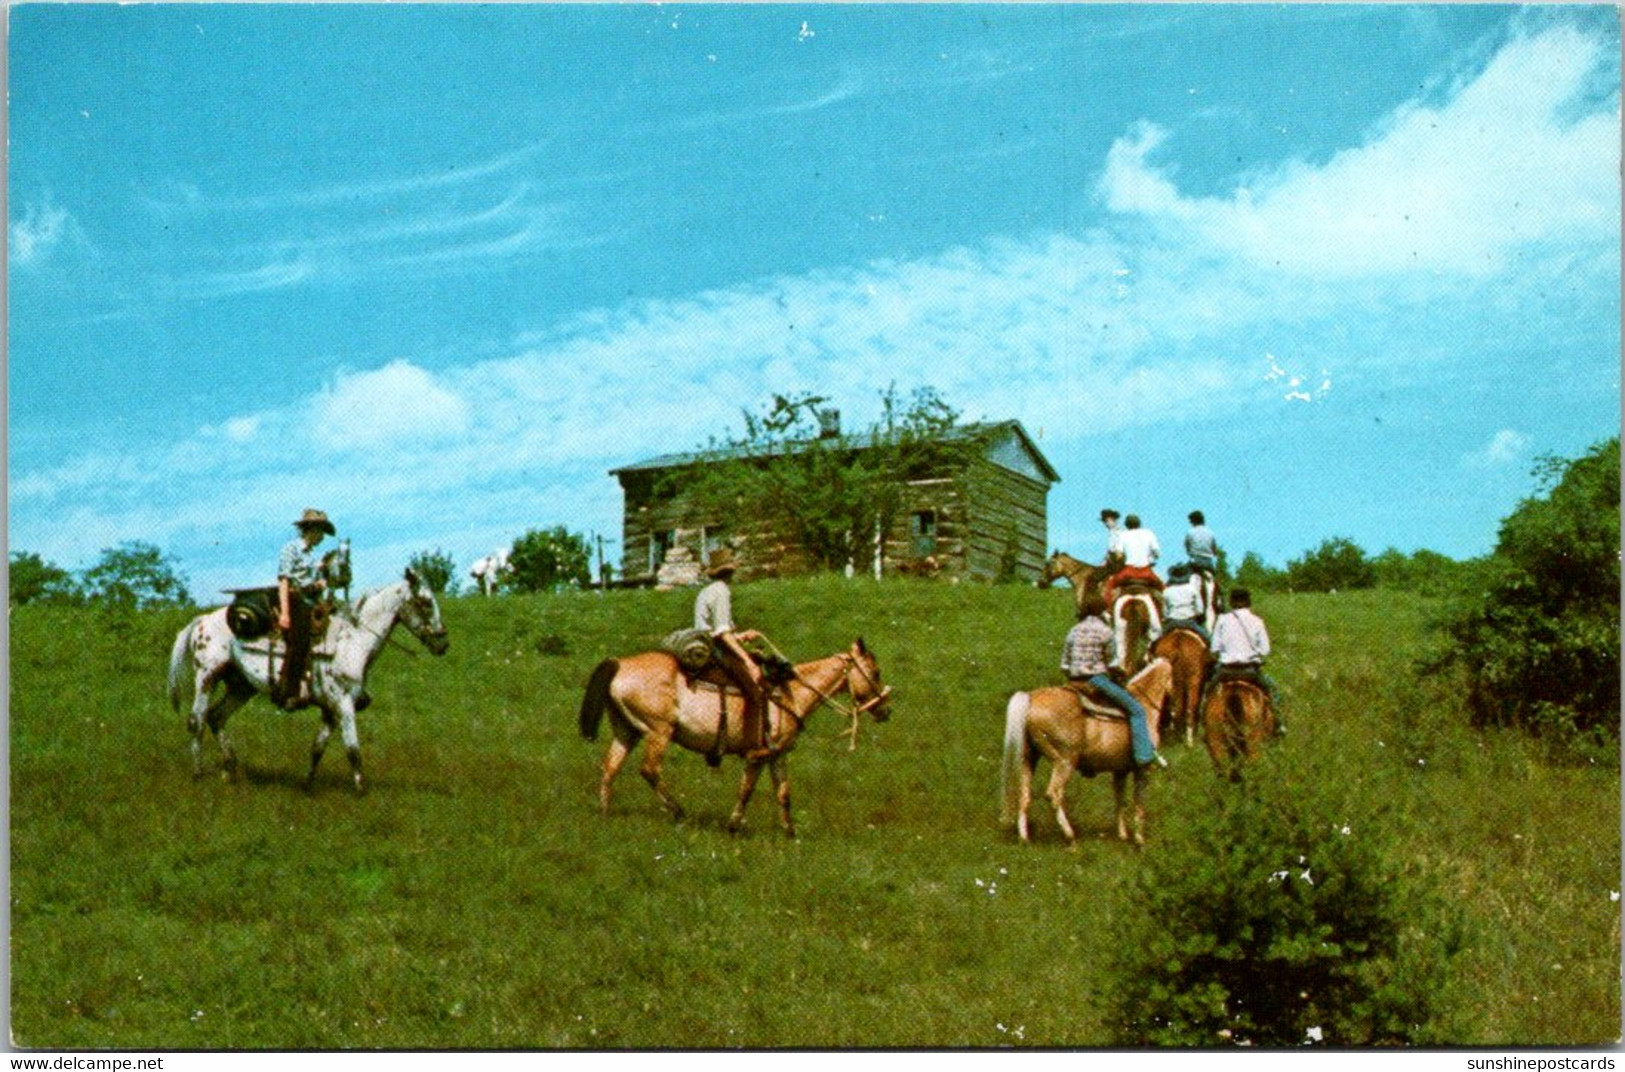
(437,569)
(543,560)
(1539,641)
(1273,919)
(34,580)
(1337,564)
(135,575)
(1254,573)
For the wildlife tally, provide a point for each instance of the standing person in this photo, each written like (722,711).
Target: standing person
(299,586)
(1086,657)
(713,612)
(1240,645)
(1140,553)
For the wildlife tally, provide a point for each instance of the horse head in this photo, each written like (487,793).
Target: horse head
(863,680)
(1153,685)
(420,613)
(1054,570)
(335,567)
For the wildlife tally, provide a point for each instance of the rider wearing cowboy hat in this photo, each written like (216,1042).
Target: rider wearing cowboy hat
(299,584)
(1183,602)
(713,612)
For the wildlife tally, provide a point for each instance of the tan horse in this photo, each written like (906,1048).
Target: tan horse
(1081,736)
(1187,654)
(1081,575)
(1132,611)
(648,696)
(1237,718)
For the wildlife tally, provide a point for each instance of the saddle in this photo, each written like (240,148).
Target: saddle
(252,614)
(1095,703)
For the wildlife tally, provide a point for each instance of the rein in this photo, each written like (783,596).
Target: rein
(853,711)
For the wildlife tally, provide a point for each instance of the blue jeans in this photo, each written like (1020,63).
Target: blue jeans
(1143,751)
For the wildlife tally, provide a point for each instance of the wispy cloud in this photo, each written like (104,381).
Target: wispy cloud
(43,229)
(1506,447)
(1515,157)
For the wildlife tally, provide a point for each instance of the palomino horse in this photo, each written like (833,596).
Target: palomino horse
(647,695)
(338,673)
(1237,718)
(1187,654)
(1082,576)
(1078,735)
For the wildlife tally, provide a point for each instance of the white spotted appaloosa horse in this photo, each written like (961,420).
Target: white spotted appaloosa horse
(338,667)
(490,571)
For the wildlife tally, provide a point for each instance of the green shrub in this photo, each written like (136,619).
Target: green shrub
(1539,640)
(544,560)
(438,570)
(1272,918)
(1337,564)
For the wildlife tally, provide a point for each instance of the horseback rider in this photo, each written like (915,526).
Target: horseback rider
(1114,536)
(1086,658)
(1140,551)
(300,586)
(1201,548)
(713,612)
(1183,603)
(1240,645)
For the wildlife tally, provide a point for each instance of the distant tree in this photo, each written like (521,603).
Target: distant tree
(1423,572)
(1255,573)
(35,580)
(828,488)
(1338,564)
(437,569)
(136,575)
(1539,642)
(544,560)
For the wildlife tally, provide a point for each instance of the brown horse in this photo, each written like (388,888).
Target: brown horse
(1237,718)
(1078,735)
(1082,576)
(647,695)
(1187,654)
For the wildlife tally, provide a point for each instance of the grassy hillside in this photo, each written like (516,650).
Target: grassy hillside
(475,898)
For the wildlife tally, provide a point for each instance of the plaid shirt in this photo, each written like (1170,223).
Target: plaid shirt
(1089,648)
(297,563)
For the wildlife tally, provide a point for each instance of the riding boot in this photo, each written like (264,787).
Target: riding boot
(756,729)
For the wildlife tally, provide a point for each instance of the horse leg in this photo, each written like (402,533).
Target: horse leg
(653,755)
(1024,800)
(1118,780)
(618,751)
(1061,770)
(195,723)
(352,743)
(1139,809)
(747,786)
(780,771)
(323,732)
(215,718)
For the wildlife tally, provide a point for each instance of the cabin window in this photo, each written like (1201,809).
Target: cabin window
(923,532)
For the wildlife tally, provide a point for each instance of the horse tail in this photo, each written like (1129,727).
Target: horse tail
(177,659)
(1015,747)
(597,696)
(1236,716)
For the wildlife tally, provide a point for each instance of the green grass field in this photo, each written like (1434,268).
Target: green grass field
(475,898)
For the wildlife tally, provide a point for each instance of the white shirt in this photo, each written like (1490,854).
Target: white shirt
(1240,639)
(1140,547)
(1184,600)
(713,608)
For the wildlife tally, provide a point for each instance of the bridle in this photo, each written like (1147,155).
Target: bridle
(853,712)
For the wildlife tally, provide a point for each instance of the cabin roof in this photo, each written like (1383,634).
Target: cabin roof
(985,430)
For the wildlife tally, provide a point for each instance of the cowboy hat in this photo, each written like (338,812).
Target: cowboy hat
(722,561)
(316,519)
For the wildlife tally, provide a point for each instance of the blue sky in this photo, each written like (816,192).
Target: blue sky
(1318,271)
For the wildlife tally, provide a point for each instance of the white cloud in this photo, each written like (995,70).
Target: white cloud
(42,230)
(399,404)
(1506,446)
(1463,186)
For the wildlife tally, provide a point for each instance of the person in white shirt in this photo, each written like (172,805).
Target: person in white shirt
(713,612)
(1140,553)
(1184,605)
(1240,645)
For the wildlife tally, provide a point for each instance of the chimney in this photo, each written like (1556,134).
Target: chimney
(829,423)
